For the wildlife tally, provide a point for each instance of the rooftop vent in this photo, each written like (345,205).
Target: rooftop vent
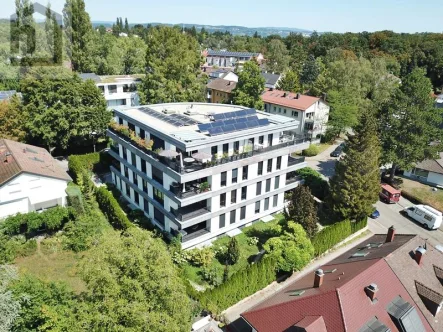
(419,253)
(166,111)
(318,278)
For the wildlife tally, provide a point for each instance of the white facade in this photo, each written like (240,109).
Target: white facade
(313,120)
(121,92)
(27,192)
(250,172)
(425,176)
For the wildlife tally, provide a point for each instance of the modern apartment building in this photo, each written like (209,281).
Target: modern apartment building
(312,112)
(118,90)
(212,168)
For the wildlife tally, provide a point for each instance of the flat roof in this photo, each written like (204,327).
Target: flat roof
(195,114)
(120,78)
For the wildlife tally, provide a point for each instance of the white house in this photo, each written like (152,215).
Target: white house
(429,171)
(118,90)
(212,169)
(272,80)
(30,179)
(228,58)
(312,112)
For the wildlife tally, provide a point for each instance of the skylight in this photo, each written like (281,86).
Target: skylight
(297,293)
(360,254)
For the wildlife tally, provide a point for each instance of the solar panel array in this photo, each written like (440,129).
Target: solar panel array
(232,125)
(177,120)
(232,115)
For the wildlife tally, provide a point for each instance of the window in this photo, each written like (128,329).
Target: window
(126,172)
(214,150)
(284,111)
(268,185)
(145,186)
(260,168)
(136,198)
(157,175)
(223,179)
(269,165)
(142,134)
(234,196)
(257,207)
(232,217)
(279,110)
(421,172)
(266,204)
(221,222)
(236,146)
(143,165)
(226,148)
(295,114)
(160,217)
(146,206)
(112,88)
(274,204)
(159,196)
(277,182)
(102,88)
(261,139)
(125,153)
(128,190)
(135,178)
(133,160)
(234,175)
(243,213)
(428,218)
(245,172)
(120,121)
(251,141)
(244,191)
(223,200)
(270,138)
(278,163)
(258,191)
(275,109)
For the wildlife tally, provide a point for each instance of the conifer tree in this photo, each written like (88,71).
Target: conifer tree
(233,253)
(126,25)
(356,183)
(301,209)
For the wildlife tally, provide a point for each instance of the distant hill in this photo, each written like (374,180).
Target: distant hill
(233,29)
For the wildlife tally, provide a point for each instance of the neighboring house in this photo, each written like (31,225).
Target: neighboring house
(229,59)
(312,112)
(387,283)
(219,91)
(429,171)
(271,80)
(6,95)
(118,90)
(439,101)
(205,176)
(30,179)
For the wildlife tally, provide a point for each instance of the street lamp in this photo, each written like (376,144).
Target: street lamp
(93,134)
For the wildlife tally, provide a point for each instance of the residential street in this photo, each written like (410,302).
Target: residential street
(323,162)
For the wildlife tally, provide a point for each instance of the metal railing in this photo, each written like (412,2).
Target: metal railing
(186,213)
(292,179)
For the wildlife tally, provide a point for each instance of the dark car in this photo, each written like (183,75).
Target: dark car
(337,152)
(375,214)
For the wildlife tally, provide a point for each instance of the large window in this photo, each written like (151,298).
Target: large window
(143,163)
(243,212)
(278,163)
(260,168)
(159,196)
(277,182)
(258,190)
(126,172)
(223,179)
(214,150)
(269,165)
(137,198)
(244,192)
(226,148)
(133,160)
(234,175)
(268,185)
(223,200)
(157,175)
(160,217)
(145,186)
(128,190)
(275,201)
(236,146)
(421,172)
(245,172)
(125,153)
(266,204)
(257,207)
(232,217)
(261,139)
(234,196)
(221,223)
(112,88)
(146,206)
(142,134)
(270,138)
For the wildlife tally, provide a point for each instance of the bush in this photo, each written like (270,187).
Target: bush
(111,209)
(313,179)
(16,246)
(75,199)
(233,252)
(200,257)
(312,151)
(241,284)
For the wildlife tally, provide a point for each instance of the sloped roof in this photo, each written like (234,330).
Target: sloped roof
(17,158)
(282,98)
(233,54)
(432,165)
(90,76)
(220,84)
(270,78)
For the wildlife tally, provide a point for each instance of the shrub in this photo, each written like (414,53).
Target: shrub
(212,275)
(200,257)
(233,252)
(313,179)
(241,284)
(252,241)
(111,209)
(312,151)
(12,247)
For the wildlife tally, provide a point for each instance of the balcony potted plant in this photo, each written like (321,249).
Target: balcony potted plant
(204,187)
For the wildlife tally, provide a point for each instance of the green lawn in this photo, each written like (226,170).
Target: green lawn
(263,231)
(423,193)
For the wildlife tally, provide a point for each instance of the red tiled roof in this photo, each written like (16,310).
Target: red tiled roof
(312,324)
(282,98)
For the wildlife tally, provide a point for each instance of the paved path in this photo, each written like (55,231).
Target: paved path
(323,162)
(232,314)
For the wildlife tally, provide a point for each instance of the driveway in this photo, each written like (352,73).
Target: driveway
(323,162)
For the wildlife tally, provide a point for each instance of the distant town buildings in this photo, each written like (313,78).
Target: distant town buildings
(311,112)
(387,283)
(118,90)
(229,59)
(30,179)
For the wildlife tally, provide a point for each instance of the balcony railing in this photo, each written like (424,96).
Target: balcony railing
(189,191)
(294,161)
(292,179)
(192,236)
(189,212)
(197,166)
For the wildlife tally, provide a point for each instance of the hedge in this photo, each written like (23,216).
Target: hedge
(314,180)
(78,163)
(241,285)
(111,209)
(332,235)
(312,151)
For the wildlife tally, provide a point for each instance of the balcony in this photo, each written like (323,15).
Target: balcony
(175,164)
(193,232)
(189,189)
(294,161)
(191,211)
(292,179)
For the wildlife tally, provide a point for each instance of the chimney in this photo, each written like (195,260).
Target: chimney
(7,157)
(391,234)
(419,253)
(371,291)
(297,96)
(285,95)
(318,278)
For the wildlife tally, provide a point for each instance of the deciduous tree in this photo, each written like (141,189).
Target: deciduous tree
(310,71)
(277,58)
(250,86)
(289,82)
(11,120)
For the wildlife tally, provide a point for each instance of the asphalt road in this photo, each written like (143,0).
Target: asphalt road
(323,163)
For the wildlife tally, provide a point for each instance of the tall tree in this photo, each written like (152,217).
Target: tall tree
(9,306)
(126,25)
(302,210)
(11,120)
(233,252)
(24,25)
(344,112)
(289,82)
(356,184)
(58,42)
(409,123)
(134,285)
(250,86)
(277,56)
(310,71)
(78,29)
(172,68)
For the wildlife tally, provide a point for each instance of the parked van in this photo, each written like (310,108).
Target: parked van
(429,217)
(389,194)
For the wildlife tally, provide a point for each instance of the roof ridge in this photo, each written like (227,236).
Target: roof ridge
(6,141)
(342,316)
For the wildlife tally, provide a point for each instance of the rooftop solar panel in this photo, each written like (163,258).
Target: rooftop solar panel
(217,124)
(204,126)
(240,120)
(230,122)
(219,117)
(251,111)
(252,124)
(241,113)
(241,126)
(215,131)
(263,122)
(229,129)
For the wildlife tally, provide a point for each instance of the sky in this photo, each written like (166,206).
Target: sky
(319,15)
